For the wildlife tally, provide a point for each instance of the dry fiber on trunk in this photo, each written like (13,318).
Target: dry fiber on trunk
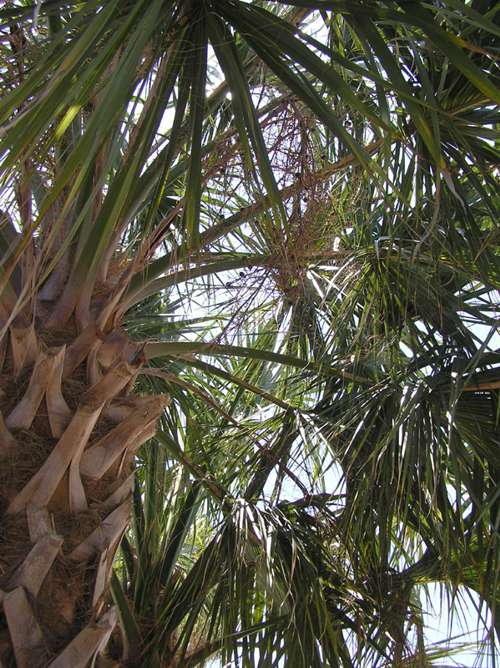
(68,431)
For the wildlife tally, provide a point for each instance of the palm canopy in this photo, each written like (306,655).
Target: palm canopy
(292,205)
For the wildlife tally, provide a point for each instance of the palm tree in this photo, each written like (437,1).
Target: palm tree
(269,228)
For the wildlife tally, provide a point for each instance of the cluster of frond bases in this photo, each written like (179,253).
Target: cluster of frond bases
(68,436)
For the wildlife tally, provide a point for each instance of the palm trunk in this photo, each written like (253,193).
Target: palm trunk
(67,435)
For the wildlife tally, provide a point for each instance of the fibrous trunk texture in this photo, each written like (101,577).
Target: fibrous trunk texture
(68,430)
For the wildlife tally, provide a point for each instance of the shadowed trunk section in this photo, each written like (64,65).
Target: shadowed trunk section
(68,432)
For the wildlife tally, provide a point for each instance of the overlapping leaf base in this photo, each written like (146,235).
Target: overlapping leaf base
(68,432)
